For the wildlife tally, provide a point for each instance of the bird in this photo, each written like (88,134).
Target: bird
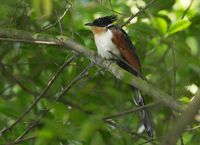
(113,43)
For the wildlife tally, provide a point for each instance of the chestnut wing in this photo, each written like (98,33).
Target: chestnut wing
(126,48)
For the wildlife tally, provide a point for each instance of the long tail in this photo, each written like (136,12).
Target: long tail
(139,101)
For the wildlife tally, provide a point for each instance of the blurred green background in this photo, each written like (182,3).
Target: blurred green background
(167,38)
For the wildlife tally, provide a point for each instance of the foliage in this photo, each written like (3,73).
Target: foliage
(167,39)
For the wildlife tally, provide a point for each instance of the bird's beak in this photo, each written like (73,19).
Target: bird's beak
(89,24)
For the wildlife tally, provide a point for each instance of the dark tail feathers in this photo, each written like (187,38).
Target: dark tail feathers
(139,101)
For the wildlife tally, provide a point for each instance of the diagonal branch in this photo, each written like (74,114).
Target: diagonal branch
(125,129)
(138,13)
(126,112)
(187,9)
(68,6)
(42,94)
(126,77)
(121,74)
(64,91)
(14,80)
(21,141)
(186,118)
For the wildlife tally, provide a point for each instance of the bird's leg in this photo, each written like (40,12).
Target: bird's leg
(60,40)
(113,59)
(98,59)
(114,56)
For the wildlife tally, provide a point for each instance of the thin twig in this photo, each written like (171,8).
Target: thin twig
(185,119)
(149,141)
(174,81)
(110,3)
(76,106)
(14,14)
(59,24)
(129,131)
(6,88)
(58,20)
(30,41)
(14,80)
(165,75)
(21,141)
(125,129)
(187,9)
(138,13)
(162,58)
(42,94)
(126,112)
(64,91)
(111,9)
(174,70)
(193,128)
(80,76)
(32,125)
(171,46)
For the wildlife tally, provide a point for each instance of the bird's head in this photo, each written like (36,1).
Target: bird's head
(100,25)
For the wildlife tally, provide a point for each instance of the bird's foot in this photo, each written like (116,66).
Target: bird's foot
(98,59)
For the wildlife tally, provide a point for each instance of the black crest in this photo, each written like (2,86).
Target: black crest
(104,21)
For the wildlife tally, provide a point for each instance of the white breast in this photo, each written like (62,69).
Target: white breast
(105,45)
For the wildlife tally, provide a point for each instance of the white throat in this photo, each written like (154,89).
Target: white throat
(105,45)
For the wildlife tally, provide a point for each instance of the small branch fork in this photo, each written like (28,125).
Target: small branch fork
(42,94)
(82,75)
(138,13)
(58,19)
(185,119)
(14,80)
(21,138)
(125,129)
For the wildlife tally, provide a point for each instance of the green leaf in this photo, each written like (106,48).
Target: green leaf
(178,26)
(161,25)
(185,100)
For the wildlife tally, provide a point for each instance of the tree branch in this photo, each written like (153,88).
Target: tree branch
(50,83)
(126,112)
(21,141)
(139,12)
(59,18)
(121,74)
(14,80)
(64,91)
(125,76)
(186,118)
(125,129)
(187,9)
